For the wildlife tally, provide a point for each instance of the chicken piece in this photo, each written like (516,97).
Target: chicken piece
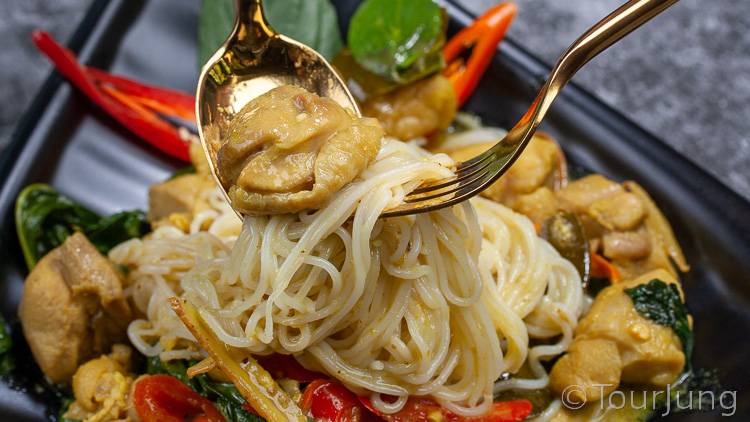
(662,236)
(649,353)
(622,211)
(534,167)
(630,245)
(180,195)
(531,171)
(417,109)
(580,194)
(538,205)
(495,191)
(72,307)
(290,150)
(101,387)
(592,364)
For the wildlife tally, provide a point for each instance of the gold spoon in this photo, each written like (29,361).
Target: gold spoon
(253,60)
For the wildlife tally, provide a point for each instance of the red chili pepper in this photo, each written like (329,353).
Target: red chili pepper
(421,409)
(285,366)
(168,101)
(163,398)
(331,402)
(140,121)
(484,34)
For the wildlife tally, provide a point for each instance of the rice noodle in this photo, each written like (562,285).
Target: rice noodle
(439,304)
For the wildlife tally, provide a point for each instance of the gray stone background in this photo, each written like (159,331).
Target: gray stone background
(685,76)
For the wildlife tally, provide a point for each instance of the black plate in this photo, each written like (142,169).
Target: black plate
(65,141)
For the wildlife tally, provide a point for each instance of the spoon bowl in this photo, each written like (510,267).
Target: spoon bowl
(253,60)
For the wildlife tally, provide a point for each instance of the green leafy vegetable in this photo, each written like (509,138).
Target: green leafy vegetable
(689,392)
(44,219)
(6,344)
(214,25)
(225,395)
(661,303)
(110,231)
(400,40)
(229,401)
(362,83)
(175,368)
(311,22)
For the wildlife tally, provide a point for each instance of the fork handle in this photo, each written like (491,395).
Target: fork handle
(608,31)
(598,38)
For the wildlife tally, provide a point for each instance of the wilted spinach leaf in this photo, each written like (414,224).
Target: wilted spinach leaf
(661,303)
(400,40)
(311,22)
(228,400)
(175,368)
(44,219)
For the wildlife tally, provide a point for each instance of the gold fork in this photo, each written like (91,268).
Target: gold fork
(255,58)
(475,175)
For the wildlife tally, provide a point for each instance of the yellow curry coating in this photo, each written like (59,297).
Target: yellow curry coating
(419,109)
(290,150)
(614,344)
(73,307)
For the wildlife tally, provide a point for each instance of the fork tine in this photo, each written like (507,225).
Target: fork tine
(460,176)
(474,161)
(480,179)
(424,204)
(479,172)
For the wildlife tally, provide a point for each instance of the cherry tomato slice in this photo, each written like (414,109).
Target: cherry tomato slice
(331,402)
(163,398)
(420,409)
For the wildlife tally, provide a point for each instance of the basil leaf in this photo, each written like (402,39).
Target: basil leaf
(176,368)
(228,400)
(214,25)
(44,219)
(661,303)
(311,22)
(400,40)
(110,231)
